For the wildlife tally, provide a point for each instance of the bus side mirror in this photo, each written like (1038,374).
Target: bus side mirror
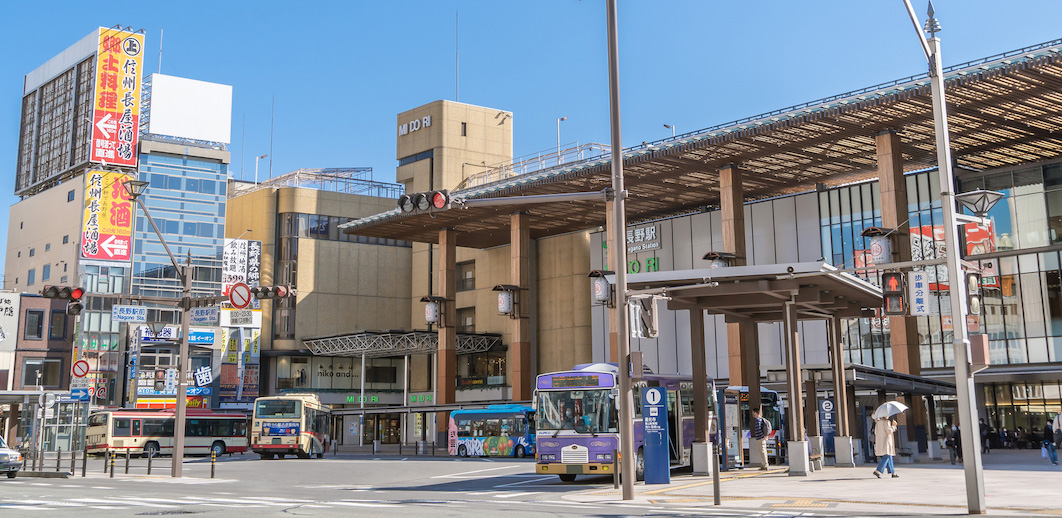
(534,402)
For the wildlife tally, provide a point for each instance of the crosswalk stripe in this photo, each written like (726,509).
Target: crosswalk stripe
(512,495)
(363,504)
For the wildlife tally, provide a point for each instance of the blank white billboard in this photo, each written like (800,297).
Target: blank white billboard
(192,109)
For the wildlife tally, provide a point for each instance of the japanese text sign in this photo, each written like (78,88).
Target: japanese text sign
(116,107)
(108,218)
(918,285)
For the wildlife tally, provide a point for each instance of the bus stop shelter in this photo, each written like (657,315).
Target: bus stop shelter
(784,293)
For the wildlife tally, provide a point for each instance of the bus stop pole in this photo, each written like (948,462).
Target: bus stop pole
(618,247)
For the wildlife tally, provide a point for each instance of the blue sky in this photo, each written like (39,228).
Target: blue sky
(340,72)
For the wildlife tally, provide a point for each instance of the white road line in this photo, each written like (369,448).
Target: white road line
(27,508)
(39,484)
(462,474)
(238,501)
(315,506)
(580,505)
(69,485)
(362,504)
(232,505)
(540,479)
(513,495)
(45,502)
(101,487)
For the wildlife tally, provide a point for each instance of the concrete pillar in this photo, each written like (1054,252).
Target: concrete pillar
(742,347)
(799,460)
(446,370)
(811,407)
(903,333)
(520,275)
(701,448)
(843,452)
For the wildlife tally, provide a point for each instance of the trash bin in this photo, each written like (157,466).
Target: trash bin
(375,445)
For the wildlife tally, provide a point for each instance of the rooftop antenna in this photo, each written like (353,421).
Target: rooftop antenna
(160,48)
(272,111)
(457,55)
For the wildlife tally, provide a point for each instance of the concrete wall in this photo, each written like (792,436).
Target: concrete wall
(39,223)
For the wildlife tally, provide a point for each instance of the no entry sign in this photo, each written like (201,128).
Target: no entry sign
(240,295)
(80,368)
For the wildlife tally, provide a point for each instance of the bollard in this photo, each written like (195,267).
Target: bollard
(432,448)
(58,457)
(335,448)
(112,455)
(106,455)
(73,462)
(213,460)
(149,456)
(84,462)
(615,469)
(127,461)
(40,459)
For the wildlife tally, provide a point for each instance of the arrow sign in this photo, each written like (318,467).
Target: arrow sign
(79,394)
(110,247)
(105,124)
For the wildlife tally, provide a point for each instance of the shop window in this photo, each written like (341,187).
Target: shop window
(44,372)
(466,320)
(34,324)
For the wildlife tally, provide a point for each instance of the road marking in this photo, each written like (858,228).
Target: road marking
(565,503)
(101,487)
(363,504)
(540,479)
(39,484)
(462,474)
(513,495)
(27,507)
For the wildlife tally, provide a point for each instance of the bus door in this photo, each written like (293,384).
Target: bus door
(674,426)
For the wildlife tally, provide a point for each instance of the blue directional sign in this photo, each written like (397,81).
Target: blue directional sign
(827,424)
(655,451)
(79,394)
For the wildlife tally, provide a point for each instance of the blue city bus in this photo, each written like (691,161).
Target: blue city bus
(495,431)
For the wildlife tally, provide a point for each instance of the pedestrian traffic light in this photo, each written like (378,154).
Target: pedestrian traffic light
(893,291)
(973,293)
(70,293)
(430,201)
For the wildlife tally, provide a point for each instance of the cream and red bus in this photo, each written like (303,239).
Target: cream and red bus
(150,432)
(295,424)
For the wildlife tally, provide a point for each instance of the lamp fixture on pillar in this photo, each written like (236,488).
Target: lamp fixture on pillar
(980,201)
(134,188)
(507,299)
(719,259)
(602,288)
(433,309)
(156,328)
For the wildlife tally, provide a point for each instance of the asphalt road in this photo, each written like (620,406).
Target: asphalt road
(334,486)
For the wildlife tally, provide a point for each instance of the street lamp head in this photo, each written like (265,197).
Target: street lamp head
(263,156)
(134,188)
(980,201)
(668,126)
(563,118)
(932,25)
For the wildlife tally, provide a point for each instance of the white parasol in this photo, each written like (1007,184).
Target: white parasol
(889,409)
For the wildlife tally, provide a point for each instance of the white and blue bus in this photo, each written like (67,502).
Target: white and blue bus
(498,430)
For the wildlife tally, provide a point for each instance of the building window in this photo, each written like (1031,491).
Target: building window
(46,372)
(57,327)
(33,252)
(466,320)
(464,129)
(466,276)
(34,324)
(62,280)
(70,196)
(31,277)
(46,272)
(481,369)
(66,239)
(47,247)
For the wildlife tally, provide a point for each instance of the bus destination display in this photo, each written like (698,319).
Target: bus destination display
(572,380)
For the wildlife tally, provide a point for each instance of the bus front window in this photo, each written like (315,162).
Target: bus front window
(276,409)
(584,411)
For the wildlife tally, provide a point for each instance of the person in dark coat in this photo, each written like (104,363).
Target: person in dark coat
(954,444)
(1049,443)
(986,433)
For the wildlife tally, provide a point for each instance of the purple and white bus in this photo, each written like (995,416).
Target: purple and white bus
(578,425)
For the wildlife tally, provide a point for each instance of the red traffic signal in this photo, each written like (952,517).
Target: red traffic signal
(425,201)
(892,283)
(63,292)
(273,292)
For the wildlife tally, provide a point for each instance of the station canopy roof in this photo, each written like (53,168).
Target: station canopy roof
(1003,110)
(383,344)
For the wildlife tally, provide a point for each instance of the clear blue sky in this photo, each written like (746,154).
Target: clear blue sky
(341,71)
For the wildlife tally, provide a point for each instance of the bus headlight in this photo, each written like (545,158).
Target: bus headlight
(548,456)
(604,456)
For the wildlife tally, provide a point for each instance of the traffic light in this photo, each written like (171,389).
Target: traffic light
(893,290)
(430,201)
(70,293)
(973,293)
(273,292)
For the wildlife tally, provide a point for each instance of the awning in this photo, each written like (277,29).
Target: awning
(382,344)
(864,377)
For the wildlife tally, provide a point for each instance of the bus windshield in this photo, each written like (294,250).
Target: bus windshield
(584,411)
(278,408)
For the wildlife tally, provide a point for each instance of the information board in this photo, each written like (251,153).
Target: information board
(655,452)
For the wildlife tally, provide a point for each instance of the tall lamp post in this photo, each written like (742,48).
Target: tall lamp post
(256,159)
(672,128)
(964,382)
(135,188)
(618,220)
(559,120)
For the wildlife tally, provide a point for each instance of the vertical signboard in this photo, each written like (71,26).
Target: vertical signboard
(827,424)
(918,284)
(116,106)
(108,219)
(9,307)
(241,262)
(655,452)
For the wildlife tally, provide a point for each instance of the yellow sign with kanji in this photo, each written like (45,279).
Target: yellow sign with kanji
(116,105)
(108,225)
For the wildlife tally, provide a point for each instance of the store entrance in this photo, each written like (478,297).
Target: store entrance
(386,428)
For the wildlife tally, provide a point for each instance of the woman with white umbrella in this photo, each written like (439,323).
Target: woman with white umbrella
(884,430)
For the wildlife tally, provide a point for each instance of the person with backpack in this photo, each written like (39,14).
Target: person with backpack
(761,431)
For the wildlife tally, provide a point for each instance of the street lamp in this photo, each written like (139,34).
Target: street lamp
(964,383)
(559,159)
(980,201)
(256,159)
(672,128)
(136,188)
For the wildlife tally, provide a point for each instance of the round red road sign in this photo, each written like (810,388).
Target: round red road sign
(240,295)
(80,369)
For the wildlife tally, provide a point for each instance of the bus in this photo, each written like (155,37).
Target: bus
(578,424)
(295,424)
(498,430)
(773,411)
(150,432)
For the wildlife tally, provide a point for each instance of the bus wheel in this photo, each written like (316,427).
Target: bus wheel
(520,453)
(151,449)
(639,466)
(218,448)
(266,456)
(280,455)
(302,455)
(567,477)
(462,451)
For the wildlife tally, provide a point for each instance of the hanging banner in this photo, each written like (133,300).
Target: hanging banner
(9,313)
(108,218)
(241,262)
(116,109)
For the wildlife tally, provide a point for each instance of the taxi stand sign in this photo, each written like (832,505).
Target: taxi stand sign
(656,454)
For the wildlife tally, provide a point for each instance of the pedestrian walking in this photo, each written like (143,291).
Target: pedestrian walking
(761,431)
(986,432)
(885,446)
(954,444)
(1049,444)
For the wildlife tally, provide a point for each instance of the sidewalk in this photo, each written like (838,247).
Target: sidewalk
(1016,483)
